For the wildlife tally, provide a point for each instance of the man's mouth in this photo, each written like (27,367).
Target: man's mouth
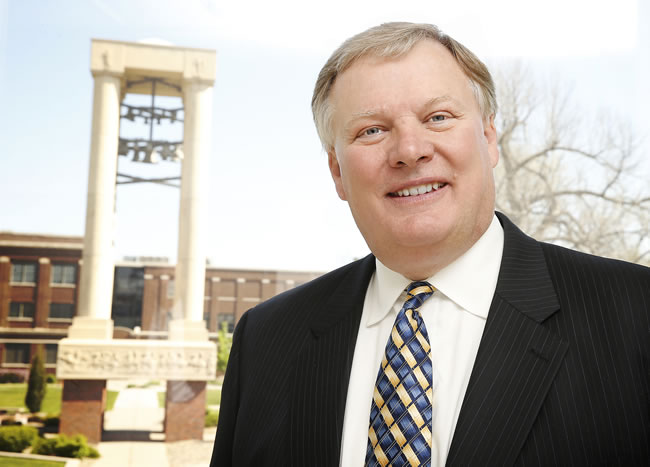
(419,189)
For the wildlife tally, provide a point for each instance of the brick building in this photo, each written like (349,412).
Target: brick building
(39,284)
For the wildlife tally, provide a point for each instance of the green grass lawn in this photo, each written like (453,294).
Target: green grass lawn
(110,399)
(18,462)
(13,395)
(213,397)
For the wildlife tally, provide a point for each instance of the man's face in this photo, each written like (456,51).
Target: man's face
(413,157)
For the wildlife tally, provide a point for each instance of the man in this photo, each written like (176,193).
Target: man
(508,351)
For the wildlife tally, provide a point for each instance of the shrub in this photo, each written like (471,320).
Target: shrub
(11,378)
(211,418)
(224,343)
(65,446)
(11,422)
(51,421)
(36,386)
(16,438)
(50,379)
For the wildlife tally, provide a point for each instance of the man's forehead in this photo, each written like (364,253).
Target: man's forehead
(389,54)
(434,59)
(371,73)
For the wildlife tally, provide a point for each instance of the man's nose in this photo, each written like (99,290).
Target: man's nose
(411,145)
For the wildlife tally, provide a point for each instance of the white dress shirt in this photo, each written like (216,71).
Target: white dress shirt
(454,317)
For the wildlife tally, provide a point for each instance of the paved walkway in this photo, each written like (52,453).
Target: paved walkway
(134,437)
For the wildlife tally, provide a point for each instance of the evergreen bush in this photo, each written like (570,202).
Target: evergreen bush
(17,438)
(51,421)
(11,378)
(65,446)
(36,385)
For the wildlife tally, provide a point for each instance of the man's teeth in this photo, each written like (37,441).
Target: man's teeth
(420,189)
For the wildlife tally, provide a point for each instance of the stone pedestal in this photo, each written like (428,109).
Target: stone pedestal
(183,330)
(90,328)
(90,359)
(82,408)
(184,410)
(86,364)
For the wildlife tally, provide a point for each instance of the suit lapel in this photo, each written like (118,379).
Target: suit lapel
(322,371)
(517,359)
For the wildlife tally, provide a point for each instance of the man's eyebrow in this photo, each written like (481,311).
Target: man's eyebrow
(365,113)
(431,102)
(445,98)
(358,116)
(439,100)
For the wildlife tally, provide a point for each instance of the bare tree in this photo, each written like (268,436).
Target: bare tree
(568,180)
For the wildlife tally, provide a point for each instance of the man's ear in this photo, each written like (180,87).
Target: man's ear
(490,132)
(335,170)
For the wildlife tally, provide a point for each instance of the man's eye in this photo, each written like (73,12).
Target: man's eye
(371,131)
(438,118)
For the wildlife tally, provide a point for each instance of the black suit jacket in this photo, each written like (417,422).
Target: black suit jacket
(562,374)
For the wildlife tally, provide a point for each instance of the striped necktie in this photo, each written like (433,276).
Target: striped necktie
(401,413)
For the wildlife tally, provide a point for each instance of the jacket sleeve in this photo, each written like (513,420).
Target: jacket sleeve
(229,407)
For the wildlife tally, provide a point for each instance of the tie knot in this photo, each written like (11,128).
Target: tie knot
(417,292)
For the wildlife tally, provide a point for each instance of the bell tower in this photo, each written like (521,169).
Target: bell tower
(89,355)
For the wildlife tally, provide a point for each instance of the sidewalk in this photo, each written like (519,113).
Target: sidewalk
(133,434)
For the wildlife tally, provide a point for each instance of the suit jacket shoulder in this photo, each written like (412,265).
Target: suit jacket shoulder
(279,365)
(562,372)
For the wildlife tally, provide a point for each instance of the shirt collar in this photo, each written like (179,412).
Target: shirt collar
(470,281)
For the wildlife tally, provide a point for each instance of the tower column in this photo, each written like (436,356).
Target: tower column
(93,318)
(187,322)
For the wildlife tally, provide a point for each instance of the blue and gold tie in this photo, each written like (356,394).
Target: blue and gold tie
(400,415)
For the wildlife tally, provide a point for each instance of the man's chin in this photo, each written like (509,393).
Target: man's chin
(422,242)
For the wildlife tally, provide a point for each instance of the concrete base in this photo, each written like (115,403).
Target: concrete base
(183,330)
(90,328)
(185,410)
(82,359)
(82,408)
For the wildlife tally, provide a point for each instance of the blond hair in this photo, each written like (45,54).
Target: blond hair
(394,40)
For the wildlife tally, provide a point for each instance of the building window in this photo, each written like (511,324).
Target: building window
(17,353)
(228,318)
(23,272)
(64,274)
(126,309)
(50,353)
(62,310)
(171,285)
(21,310)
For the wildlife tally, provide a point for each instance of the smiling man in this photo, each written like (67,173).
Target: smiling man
(459,340)
(413,154)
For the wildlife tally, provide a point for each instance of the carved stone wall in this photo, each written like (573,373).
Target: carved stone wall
(127,358)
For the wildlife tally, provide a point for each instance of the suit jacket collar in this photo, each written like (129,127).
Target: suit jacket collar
(524,280)
(517,359)
(347,299)
(323,367)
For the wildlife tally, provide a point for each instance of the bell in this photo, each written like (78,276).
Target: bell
(179,155)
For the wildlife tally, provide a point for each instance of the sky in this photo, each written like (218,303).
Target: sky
(272,203)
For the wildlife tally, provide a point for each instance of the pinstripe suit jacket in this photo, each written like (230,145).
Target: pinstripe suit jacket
(562,375)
